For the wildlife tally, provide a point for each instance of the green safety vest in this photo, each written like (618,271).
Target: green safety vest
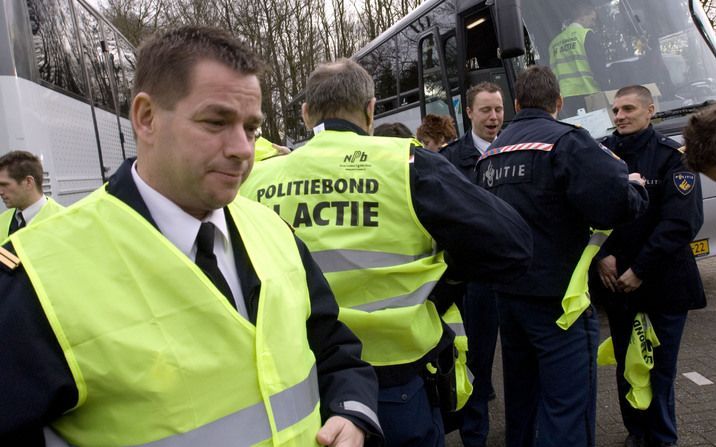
(348,198)
(263,149)
(576,299)
(463,375)
(568,60)
(50,208)
(157,353)
(638,362)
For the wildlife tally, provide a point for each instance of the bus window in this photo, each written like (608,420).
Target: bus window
(381,65)
(91,39)
(648,42)
(57,53)
(481,51)
(408,67)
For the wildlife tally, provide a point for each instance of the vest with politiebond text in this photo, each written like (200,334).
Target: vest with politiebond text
(348,198)
(568,59)
(158,355)
(50,208)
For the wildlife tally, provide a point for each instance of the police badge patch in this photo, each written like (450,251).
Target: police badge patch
(684,182)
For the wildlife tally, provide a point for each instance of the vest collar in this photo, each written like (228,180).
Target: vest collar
(342,126)
(531,113)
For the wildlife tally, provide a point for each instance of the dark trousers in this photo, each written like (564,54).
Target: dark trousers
(481,327)
(407,418)
(549,373)
(658,422)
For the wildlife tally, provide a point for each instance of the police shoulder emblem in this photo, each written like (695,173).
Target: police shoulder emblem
(684,182)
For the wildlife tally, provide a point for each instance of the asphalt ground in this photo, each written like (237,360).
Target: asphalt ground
(695,402)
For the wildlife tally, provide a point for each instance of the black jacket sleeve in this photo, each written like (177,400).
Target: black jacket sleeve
(348,386)
(681,216)
(596,181)
(36,384)
(484,237)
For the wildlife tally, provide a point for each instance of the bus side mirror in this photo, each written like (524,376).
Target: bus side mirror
(510,36)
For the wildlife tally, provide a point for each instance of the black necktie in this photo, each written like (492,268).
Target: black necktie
(206,260)
(16,223)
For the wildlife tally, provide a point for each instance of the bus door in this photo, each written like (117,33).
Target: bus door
(478,54)
(433,85)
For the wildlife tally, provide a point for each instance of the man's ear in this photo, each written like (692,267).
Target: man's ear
(517,106)
(370,113)
(143,116)
(652,109)
(307,121)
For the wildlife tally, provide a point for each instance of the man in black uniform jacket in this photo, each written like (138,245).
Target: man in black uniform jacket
(196,107)
(647,265)
(562,183)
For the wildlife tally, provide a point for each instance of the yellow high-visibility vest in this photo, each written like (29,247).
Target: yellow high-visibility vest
(348,198)
(157,353)
(463,375)
(568,59)
(50,208)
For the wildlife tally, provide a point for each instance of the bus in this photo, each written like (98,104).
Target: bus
(426,62)
(65,80)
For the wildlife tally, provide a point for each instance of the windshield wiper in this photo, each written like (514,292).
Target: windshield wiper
(681,111)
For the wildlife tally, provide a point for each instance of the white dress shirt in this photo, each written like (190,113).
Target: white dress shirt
(181,229)
(480,144)
(31,211)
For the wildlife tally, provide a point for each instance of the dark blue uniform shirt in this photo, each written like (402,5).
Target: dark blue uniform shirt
(656,245)
(563,183)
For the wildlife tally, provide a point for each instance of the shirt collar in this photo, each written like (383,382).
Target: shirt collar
(31,211)
(341,125)
(480,143)
(174,223)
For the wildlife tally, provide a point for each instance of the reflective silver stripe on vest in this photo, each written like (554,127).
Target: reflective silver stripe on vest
(295,403)
(341,260)
(598,239)
(458,329)
(244,428)
(578,74)
(357,407)
(570,58)
(407,300)
(470,376)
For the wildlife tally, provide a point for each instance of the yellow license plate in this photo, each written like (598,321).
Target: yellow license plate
(700,247)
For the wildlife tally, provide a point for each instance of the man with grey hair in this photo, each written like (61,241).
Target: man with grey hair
(372,211)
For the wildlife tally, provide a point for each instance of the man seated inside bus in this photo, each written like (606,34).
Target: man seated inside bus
(578,60)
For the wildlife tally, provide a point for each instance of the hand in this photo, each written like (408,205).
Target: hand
(282,150)
(628,282)
(636,177)
(340,432)
(607,268)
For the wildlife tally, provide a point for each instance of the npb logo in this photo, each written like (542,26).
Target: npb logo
(355,157)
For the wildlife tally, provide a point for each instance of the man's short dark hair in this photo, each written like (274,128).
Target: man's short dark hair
(393,130)
(166,60)
(337,87)
(700,140)
(643,93)
(20,164)
(537,87)
(489,87)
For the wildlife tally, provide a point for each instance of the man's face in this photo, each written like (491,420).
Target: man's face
(14,194)
(631,114)
(486,114)
(203,149)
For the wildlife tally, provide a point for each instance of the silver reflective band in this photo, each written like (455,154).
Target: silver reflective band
(244,428)
(341,260)
(407,300)
(470,376)
(574,58)
(598,238)
(458,329)
(355,406)
(579,74)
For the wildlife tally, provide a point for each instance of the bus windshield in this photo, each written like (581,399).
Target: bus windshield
(599,46)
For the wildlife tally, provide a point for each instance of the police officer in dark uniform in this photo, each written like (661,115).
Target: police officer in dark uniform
(647,265)
(562,183)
